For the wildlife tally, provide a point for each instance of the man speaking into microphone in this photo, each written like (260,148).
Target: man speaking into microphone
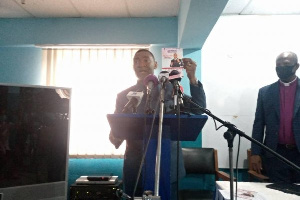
(144,64)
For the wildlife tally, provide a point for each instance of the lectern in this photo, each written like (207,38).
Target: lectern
(138,126)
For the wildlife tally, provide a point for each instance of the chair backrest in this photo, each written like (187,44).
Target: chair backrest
(252,173)
(199,160)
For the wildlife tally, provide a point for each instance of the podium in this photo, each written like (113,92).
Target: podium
(131,126)
(138,126)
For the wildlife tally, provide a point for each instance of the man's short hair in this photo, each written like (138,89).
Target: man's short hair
(147,51)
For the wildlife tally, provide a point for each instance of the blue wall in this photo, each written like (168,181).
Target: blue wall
(20,65)
(195,54)
(88,31)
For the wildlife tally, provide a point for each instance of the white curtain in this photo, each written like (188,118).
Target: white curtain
(95,76)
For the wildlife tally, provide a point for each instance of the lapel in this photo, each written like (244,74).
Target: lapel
(297,99)
(274,89)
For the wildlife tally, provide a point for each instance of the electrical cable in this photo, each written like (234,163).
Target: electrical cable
(178,146)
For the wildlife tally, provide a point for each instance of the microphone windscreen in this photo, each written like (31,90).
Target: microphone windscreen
(174,72)
(151,78)
(163,76)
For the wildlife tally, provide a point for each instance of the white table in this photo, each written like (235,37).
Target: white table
(258,190)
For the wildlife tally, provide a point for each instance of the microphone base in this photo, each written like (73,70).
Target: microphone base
(151,197)
(148,198)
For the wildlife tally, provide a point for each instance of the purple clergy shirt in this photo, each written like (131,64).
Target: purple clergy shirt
(287,99)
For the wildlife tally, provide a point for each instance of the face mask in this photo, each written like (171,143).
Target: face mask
(285,72)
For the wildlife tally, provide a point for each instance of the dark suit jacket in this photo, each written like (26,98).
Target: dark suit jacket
(175,63)
(134,148)
(267,118)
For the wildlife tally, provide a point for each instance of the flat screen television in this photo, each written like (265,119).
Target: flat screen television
(34,138)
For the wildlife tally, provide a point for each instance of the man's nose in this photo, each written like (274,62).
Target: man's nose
(141,64)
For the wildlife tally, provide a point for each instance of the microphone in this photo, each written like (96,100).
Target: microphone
(134,100)
(163,76)
(150,82)
(175,78)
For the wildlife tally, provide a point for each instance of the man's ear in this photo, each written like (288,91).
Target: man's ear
(297,66)
(155,65)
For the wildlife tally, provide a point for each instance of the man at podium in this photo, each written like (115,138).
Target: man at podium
(144,64)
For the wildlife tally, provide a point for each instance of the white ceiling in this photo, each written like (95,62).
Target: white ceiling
(88,8)
(263,7)
(133,8)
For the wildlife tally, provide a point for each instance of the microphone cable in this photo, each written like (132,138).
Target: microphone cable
(175,80)
(177,112)
(178,146)
(147,144)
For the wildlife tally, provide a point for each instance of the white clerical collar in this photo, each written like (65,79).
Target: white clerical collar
(288,84)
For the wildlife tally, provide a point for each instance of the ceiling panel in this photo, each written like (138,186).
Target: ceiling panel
(154,8)
(270,7)
(51,8)
(134,8)
(101,8)
(235,6)
(10,9)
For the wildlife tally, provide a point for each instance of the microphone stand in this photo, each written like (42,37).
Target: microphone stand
(177,102)
(176,97)
(149,110)
(229,136)
(159,139)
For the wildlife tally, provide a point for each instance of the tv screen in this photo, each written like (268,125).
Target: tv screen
(34,135)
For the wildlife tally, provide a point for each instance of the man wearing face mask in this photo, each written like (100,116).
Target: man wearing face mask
(277,122)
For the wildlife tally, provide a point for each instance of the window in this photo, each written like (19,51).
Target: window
(95,76)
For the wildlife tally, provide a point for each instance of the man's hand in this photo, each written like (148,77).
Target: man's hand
(115,141)
(190,66)
(256,163)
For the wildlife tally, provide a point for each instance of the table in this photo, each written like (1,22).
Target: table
(251,191)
